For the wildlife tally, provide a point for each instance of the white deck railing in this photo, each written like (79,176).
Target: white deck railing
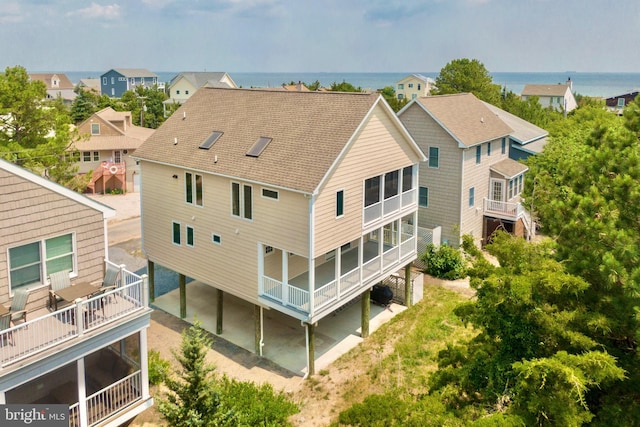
(510,209)
(47,331)
(109,400)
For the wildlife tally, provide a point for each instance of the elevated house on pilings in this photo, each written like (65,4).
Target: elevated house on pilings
(298,202)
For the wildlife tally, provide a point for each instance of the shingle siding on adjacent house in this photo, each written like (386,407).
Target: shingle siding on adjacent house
(376,143)
(30,212)
(443,182)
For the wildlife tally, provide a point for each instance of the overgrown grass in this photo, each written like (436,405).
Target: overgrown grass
(402,353)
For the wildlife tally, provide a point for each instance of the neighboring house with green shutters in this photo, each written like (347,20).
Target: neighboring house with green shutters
(468,185)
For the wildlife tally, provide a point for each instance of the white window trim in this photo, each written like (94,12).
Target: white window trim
(343,203)
(43,261)
(213,236)
(241,201)
(275,199)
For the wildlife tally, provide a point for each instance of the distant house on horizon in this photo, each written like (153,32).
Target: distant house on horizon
(618,102)
(186,83)
(559,96)
(414,86)
(117,81)
(58,85)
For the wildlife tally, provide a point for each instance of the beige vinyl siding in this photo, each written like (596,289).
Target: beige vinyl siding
(477,176)
(375,151)
(31,213)
(443,182)
(183,85)
(233,265)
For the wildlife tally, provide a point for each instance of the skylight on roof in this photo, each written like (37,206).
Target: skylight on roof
(211,140)
(259,146)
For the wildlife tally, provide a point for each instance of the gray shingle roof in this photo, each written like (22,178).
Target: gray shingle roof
(309,131)
(545,90)
(523,131)
(465,117)
(135,72)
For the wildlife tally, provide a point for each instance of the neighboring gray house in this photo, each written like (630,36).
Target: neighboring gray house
(117,81)
(186,83)
(89,353)
(468,185)
(526,139)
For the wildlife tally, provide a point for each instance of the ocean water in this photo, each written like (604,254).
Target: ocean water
(589,84)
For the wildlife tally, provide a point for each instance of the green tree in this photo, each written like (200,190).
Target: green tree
(389,94)
(585,192)
(344,87)
(467,75)
(35,133)
(149,101)
(535,323)
(530,110)
(192,399)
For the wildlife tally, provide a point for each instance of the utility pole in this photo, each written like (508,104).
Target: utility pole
(142,98)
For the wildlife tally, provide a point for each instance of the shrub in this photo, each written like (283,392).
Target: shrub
(445,262)
(249,404)
(158,367)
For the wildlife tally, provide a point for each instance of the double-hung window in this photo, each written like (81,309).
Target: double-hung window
(472,196)
(193,188)
(30,263)
(488,148)
(434,157)
(175,230)
(242,200)
(478,154)
(423,197)
(504,145)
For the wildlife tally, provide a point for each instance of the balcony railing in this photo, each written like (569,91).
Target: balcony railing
(333,291)
(73,321)
(505,209)
(391,205)
(109,400)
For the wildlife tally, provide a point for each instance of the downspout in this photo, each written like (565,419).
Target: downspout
(462,196)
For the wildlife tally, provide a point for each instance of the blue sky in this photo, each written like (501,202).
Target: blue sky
(320,35)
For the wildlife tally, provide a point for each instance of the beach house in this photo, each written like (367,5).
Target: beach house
(109,138)
(468,185)
(558,97)
(73,325)
(117,81)
(297,202)
(413,86)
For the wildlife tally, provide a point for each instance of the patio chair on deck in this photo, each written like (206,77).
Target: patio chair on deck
(109,282)
(5,323)
(18,305)
(59,280)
